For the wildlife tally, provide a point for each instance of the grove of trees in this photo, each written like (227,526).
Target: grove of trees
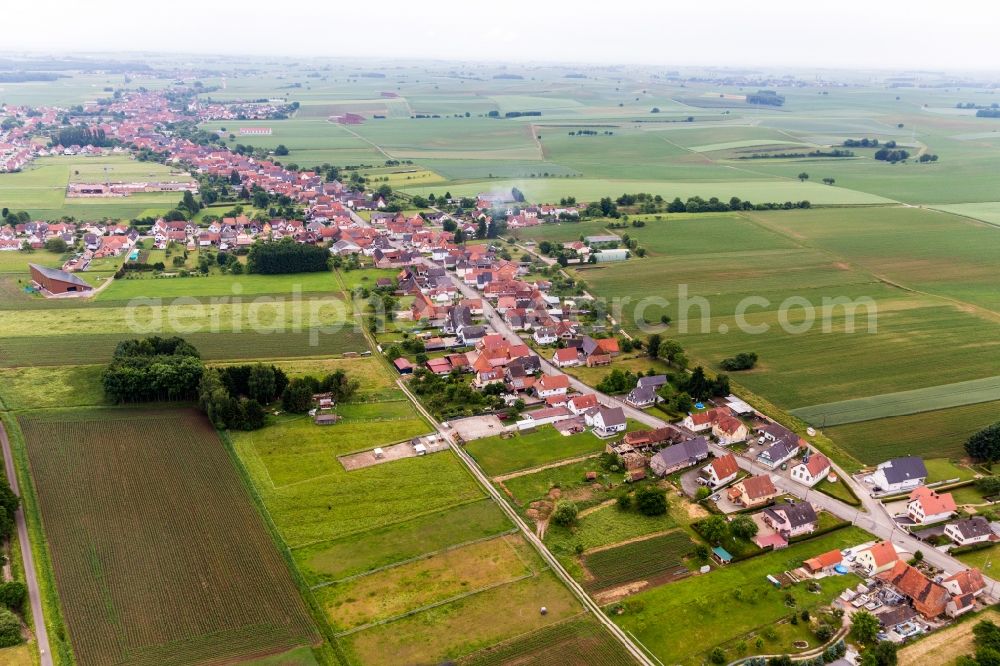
(287,256)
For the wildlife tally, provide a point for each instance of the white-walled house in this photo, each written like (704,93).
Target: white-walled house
(926,506)
(899,474)
(811,470)
(969,531)
(878,558)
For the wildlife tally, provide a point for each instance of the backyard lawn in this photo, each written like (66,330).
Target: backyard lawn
(729,603)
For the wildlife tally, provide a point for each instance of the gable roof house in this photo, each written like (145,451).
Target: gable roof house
(721,471)
(544,335)
(966,581)
(877,558)
(813,469)
(551,385)
(926,506)
(898,474)
(566,357)
(676,457)
(580,404)
(779,452)
(729,430)
(968,531)
(606,421)
(791,520)
(642,396)
(701,421)
(753,491)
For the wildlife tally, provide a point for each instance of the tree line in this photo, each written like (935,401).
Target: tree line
(232,396)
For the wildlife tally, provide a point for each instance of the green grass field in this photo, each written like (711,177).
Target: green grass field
(605,525)
(398,542)
(549,190)
(730,602)
(902,403)
(544,445)
(467,625)
(456,572)
(936,433)
(232,286)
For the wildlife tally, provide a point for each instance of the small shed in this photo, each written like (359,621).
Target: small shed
(419,449)
(325,419)
(721,555)
(403,366)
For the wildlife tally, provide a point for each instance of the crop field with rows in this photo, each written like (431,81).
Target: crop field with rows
(158,553)
(655,557)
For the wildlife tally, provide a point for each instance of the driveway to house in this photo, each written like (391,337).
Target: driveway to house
(34,595)
(689,480)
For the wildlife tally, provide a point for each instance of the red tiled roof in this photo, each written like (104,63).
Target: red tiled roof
(725,466)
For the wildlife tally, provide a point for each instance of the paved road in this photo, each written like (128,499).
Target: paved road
(41,634)
(532,538)
(873,518)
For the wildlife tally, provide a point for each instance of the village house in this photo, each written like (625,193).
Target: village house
(702,421)
(644,394)
(813,469)
(791,520)
(925,506)
(566,357)
(966,581)
(606,421)
(753,491)
(779,452)
(582,403)
(898,474)
(729,430)
(969,531)
(721,471)
(677,457)
(550,385)
(877,558)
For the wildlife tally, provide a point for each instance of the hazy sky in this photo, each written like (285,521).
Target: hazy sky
(959,34)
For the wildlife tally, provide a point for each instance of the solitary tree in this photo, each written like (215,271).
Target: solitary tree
(743,527)
(829,181)
(651,501)
(565,513)
(864,627)
(803,176)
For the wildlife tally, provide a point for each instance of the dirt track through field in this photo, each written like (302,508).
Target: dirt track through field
(526,472)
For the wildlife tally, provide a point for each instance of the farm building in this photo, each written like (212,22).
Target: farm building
(255,131)
(55,281)
(612,255)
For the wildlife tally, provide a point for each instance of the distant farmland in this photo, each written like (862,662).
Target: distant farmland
(159,555)
(224,346)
